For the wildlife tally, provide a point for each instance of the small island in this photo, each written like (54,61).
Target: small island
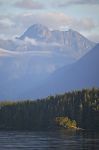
(65,122)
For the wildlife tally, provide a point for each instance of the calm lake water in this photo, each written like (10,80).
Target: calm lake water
(49,140)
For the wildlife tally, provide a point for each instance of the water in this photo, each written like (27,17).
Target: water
(49,140)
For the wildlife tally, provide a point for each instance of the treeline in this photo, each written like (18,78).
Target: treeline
(81,106)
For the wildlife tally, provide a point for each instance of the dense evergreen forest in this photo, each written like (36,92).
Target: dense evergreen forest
(80,106)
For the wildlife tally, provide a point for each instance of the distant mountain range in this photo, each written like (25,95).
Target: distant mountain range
(39,37)
(68,42)
(36,59)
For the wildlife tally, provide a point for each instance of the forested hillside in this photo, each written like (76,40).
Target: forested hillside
(81,106)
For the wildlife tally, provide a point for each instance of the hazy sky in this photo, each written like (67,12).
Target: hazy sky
(81,15)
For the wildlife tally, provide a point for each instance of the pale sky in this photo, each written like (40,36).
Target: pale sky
(80,15)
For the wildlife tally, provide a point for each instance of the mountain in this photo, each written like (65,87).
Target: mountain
(36,31)
(82,74)
(20,71)
(38,37)
(27,61)
(68,42)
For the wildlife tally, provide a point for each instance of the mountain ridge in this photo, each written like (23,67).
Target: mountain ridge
(82,74)
(67,40)
(38,37)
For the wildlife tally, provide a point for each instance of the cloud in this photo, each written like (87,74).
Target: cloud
(6,26)
(57,21)
(51,20)
(10,26)
(29,4)
(86,2)
(31,41)
(65,3)
(6,22)
(16,25)
(94,37)
(85,24)
(4,52)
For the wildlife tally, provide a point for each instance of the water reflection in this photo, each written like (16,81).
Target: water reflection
(49,140)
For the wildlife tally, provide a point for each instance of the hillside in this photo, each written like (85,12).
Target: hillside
(81,106)
(83,73)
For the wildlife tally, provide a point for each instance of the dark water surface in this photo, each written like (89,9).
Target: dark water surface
(49,140)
